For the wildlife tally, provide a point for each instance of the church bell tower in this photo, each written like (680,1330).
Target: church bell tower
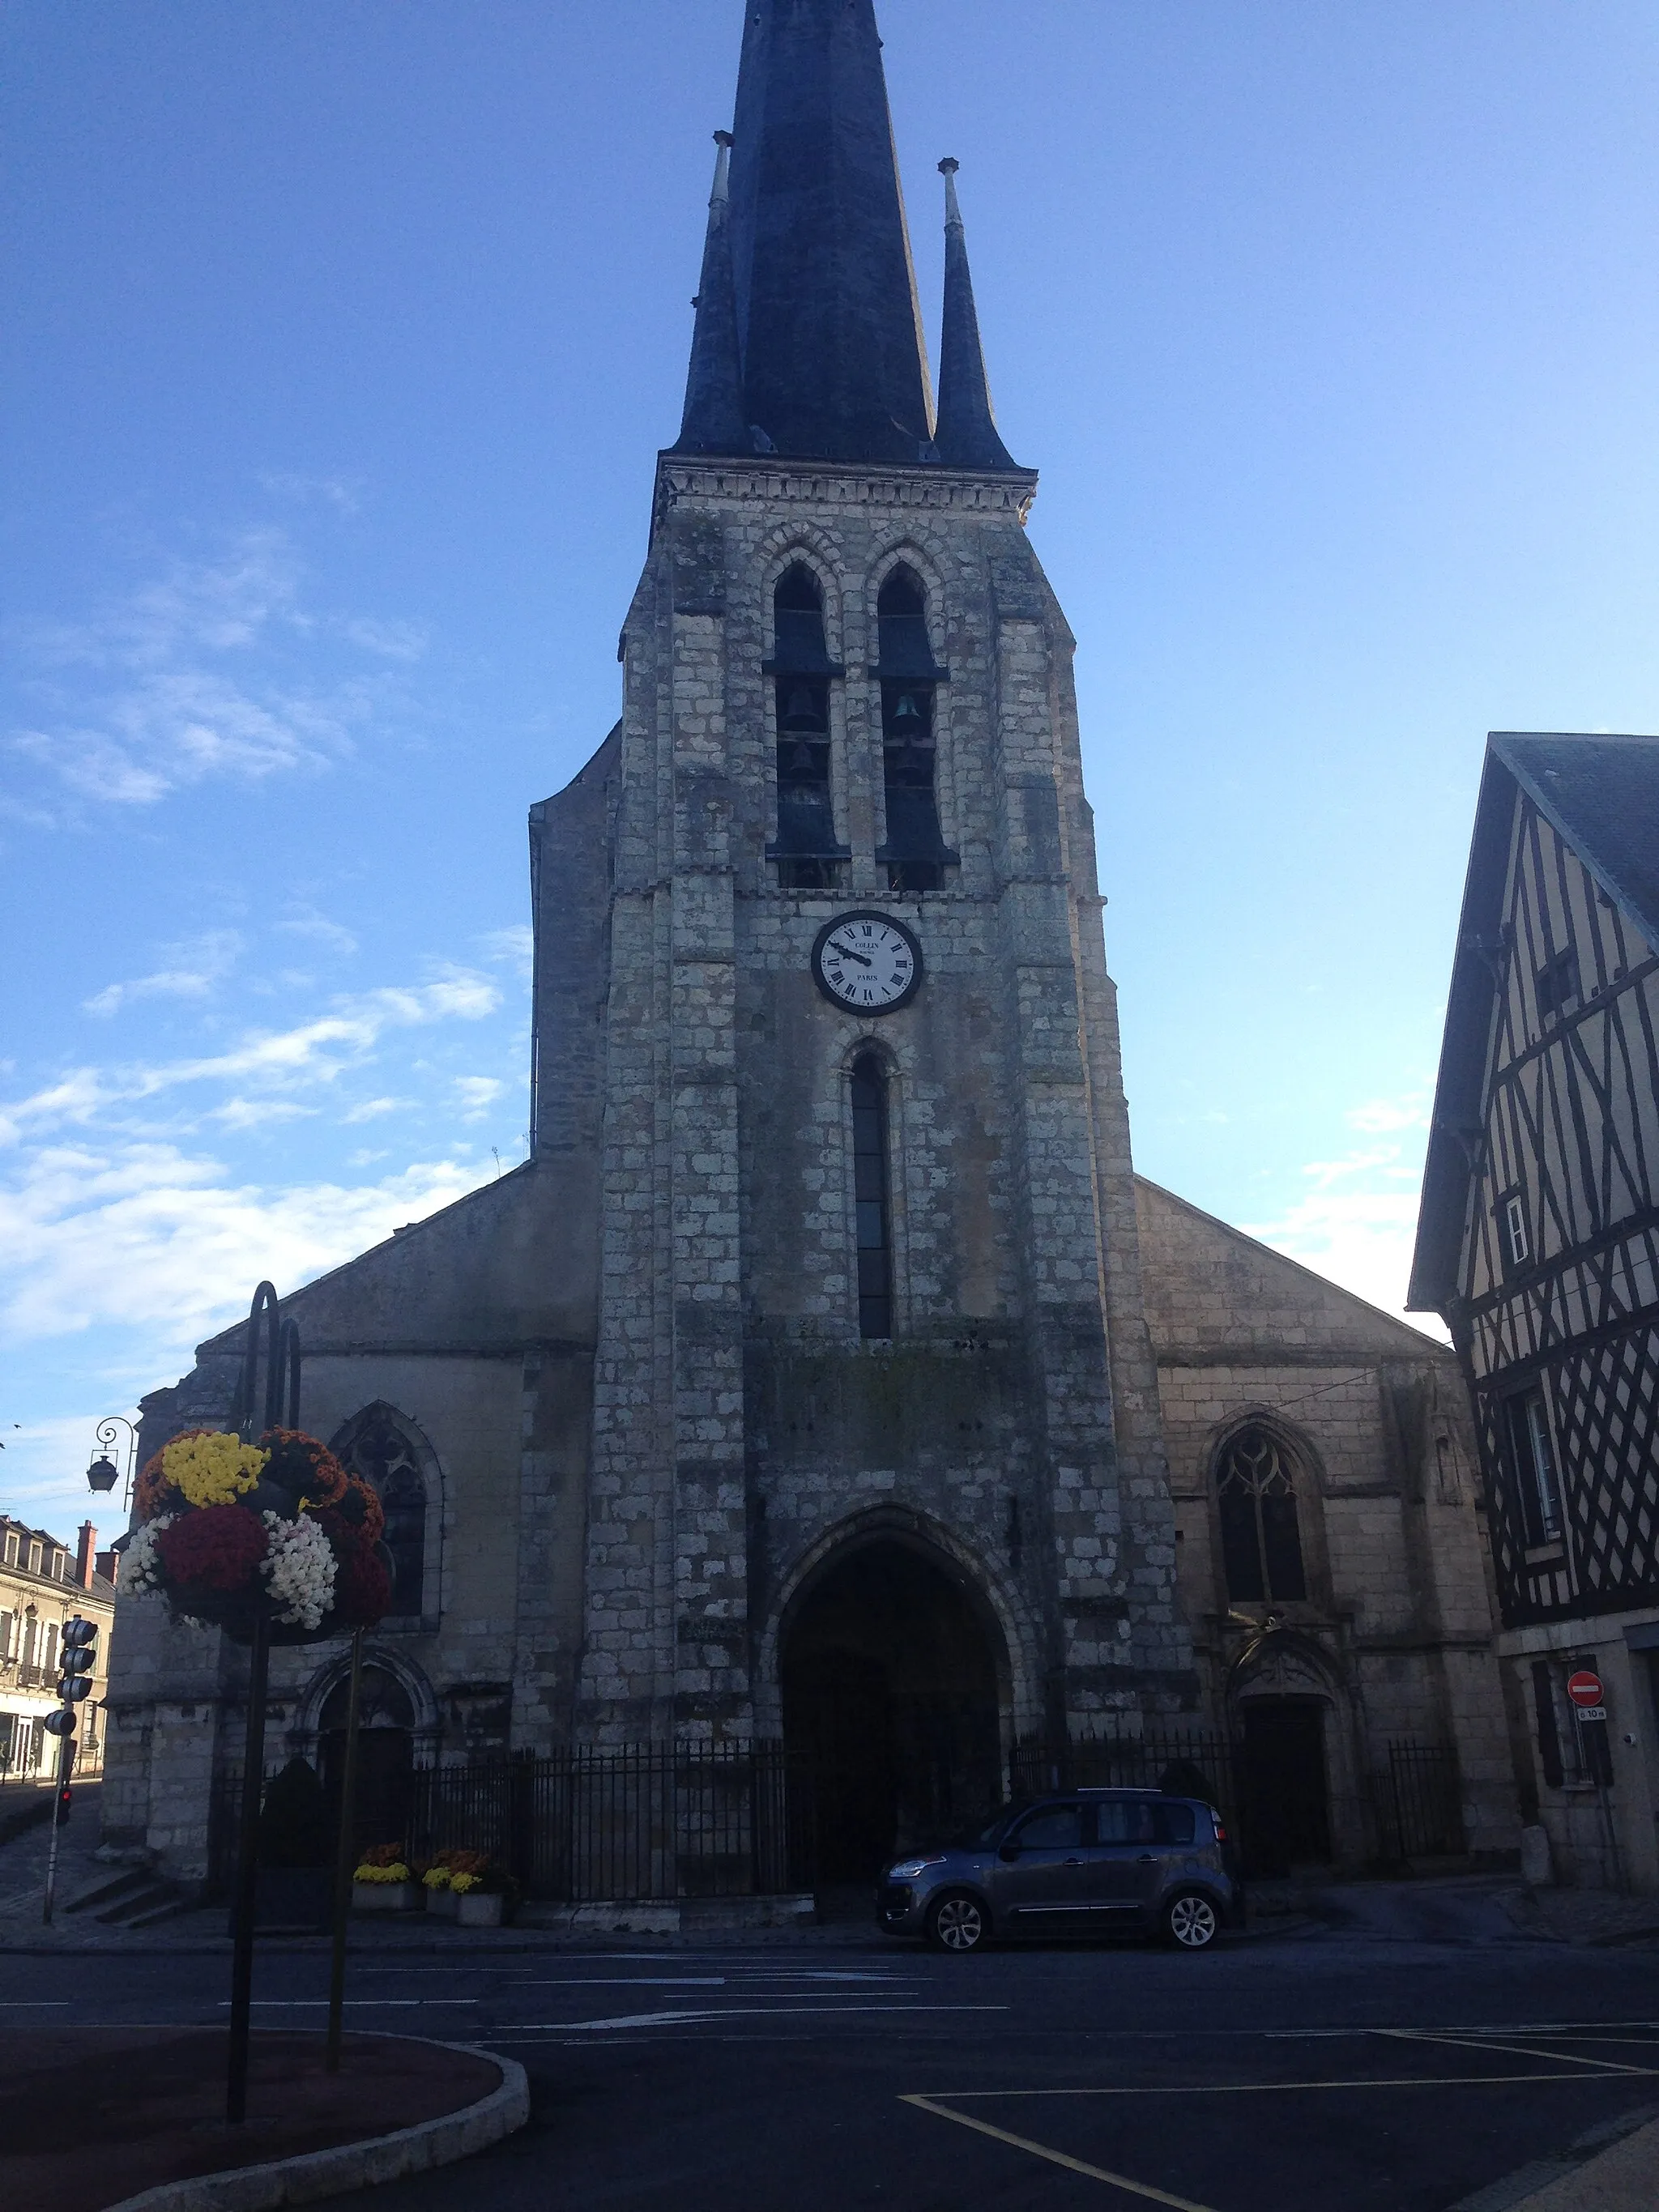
(876,1449)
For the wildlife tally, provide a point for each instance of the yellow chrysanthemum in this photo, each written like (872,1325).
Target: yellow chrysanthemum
(212,1470)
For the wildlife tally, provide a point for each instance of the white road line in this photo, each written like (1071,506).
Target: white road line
(31,2004)
(1057,2157)
(629,1982)
(372,2004)
(721,2012)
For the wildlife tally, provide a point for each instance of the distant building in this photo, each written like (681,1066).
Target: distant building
(1539,1243)
(45,1582)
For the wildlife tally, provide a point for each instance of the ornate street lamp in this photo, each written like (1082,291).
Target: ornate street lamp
(104,1474)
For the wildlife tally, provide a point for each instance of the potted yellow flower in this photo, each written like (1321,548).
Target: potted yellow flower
(383,1882)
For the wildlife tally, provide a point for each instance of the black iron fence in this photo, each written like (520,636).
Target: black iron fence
(1419,1802)
(628,1822)
(606,1824)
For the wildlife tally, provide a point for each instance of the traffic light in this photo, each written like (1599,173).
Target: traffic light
(77,1659)
(65,1799)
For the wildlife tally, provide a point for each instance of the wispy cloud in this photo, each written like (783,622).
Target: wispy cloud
(192,677)
(317,926)
(1357,1220)
(475,1095)
(193,970)
(151,1238)
(313,1052)
(512,948)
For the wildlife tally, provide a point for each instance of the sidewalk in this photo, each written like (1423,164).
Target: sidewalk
(158,2113)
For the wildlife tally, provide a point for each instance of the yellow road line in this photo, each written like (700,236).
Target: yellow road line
(1058,2157)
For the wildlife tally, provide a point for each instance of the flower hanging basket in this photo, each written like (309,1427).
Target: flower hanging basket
(231,1533)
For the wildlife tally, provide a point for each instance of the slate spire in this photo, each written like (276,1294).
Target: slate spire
(715,421)
(967,434)
(834,364)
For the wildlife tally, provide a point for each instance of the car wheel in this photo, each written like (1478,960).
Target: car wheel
(957,1922)
(1191,1922)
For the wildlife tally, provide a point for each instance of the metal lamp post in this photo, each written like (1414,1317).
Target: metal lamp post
(280,1402)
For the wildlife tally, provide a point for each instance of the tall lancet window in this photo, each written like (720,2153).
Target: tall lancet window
(870,1197)
(1260,1542)
(808,857)
(916,853)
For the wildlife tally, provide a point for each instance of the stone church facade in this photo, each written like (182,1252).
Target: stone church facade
(825,1373)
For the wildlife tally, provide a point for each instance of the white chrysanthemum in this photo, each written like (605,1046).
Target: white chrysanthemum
(141,1567)
(299,1569)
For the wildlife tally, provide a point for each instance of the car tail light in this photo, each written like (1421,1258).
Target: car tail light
(1220,1829)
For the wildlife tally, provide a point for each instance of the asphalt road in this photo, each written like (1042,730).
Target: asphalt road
(1354,2071)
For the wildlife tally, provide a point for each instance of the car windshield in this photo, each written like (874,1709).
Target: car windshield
(983,1834)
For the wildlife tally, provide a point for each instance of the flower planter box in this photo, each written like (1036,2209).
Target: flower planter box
(443,1903)
(478,1908)
(384,1897)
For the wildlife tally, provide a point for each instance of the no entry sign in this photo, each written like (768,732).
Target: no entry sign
(1584,1688)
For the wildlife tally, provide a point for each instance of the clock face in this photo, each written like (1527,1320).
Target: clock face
(867,962)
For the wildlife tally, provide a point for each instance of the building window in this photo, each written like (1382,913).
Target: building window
(870,1195)
(1556,984)
(386,1459)
(1533,1451)
(1260,1542)
(11,1550)
(916,853)
(60,1565)
(1512,1216)
(34,1558)
(807,853)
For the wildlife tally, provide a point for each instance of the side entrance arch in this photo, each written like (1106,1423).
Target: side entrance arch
(894,1672)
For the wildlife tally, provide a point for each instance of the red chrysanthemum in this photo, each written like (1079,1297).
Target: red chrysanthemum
(302,1464)
(363,1588)
(218,1548)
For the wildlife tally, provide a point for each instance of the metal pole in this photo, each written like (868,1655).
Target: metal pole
(247,1866)
(65,1754)
(345,1852)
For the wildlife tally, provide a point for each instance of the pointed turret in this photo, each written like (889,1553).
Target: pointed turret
(715,421)
(967,434)
(833,366)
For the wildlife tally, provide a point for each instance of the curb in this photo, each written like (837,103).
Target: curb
(302,2180)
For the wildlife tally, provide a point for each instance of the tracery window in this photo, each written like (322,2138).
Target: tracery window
(916,853)
(380,1452)
(870,1194)
(1260,1541)
(807,855)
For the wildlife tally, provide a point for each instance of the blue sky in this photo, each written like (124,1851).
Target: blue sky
(339,342)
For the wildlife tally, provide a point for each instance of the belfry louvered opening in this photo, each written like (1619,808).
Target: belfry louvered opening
(807,853)
(871,1196)
(915,853)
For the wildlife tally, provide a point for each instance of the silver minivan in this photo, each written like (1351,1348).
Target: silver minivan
(1075,1862)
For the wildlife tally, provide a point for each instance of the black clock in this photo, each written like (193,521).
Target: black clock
(867,963)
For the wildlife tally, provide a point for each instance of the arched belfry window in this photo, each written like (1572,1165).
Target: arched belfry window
(807,853)
(376,1447)
(871,1196)
(916,853)
(1260,1542)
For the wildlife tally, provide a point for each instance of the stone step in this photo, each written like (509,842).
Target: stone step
(126,1910)
(109,1886)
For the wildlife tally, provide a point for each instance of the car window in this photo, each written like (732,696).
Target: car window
(1124,1820)
(1174,1823)
(1053,1828)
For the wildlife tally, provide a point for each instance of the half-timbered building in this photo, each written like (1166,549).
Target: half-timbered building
(1539,1244)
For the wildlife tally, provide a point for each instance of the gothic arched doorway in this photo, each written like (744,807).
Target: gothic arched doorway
(891,1673)
(386,1754)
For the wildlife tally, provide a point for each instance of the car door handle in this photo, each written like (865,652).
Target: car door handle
(1072,1862)
(1147,1858)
